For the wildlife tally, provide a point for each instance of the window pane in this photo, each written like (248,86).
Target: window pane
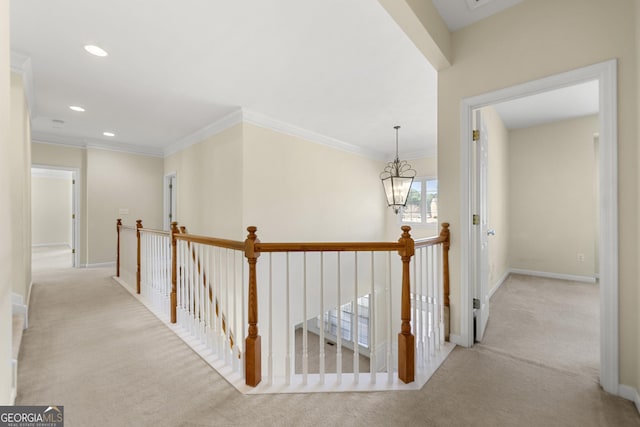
(412,212)
(432,200)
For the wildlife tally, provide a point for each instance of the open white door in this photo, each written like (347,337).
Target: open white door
(481,229)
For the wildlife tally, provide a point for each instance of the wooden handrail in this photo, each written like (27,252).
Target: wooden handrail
(224,243)
(152,231)
(328,247)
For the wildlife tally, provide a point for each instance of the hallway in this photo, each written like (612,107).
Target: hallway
(96,350)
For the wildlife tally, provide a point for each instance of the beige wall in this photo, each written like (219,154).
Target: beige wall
(74,158)
(638,186)
(552,198)
(296,190)
(498,196)
(7,207)
(20,187)
(532,40)
(108,181)
(51,210)
(118,181)
(209,180)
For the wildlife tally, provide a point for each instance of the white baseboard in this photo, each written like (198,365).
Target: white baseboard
(499,283)
(457,340)
(14,382)
(99,265)
(586,279)
(631,394)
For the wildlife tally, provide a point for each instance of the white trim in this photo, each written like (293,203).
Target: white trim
(629,393)
(76,201)
(605,73)
(165,201)
(16,299)
(198,136)
(499,283)
(458,340)
(549,275)
(262,120)
(21,64)
(100,265)
(84,143)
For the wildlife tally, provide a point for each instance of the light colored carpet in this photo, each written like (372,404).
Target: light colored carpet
(94,349)
(551,322)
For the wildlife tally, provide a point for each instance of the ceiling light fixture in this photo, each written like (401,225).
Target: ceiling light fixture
(77,108)
(108,134)
(397,178)
(95,50)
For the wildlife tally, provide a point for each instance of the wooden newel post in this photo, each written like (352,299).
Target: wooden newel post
(118,225)
(406,340)
(446,236)
(252,353)
(138,227)
(174,271)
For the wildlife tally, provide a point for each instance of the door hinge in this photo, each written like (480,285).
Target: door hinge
(476,219)
(476,135)
(73,251)
(476,303)
(170,186)
(73,181)
(73,216)
(170,216)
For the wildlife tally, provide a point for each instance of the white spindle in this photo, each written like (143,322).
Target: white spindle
(271,331)
(389,324)
(305,349)
(372,324)
(321,317)
(290,349)
(355,324)
(339,330)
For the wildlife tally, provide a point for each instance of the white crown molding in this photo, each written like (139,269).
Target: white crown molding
(214,128)
(45,138)
(267,122)
(21,64)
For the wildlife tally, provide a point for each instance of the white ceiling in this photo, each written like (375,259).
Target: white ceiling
(560,104)
(343,71)
(337,72)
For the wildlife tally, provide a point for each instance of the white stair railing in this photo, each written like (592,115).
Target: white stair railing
(329,312)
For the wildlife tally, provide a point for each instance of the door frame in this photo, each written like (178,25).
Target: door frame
(75,206)
(606,75)
(167,200)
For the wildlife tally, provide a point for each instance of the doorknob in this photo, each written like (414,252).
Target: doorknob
(491,232)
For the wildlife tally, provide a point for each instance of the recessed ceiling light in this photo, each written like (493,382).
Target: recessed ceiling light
(108,134)
(77,108)
(95,50)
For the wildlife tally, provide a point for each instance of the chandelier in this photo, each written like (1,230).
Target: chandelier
(397,178)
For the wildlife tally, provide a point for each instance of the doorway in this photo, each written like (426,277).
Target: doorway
(170,200)
(605,75)
(55,217)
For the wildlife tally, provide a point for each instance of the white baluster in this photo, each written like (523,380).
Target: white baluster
(287,360)
(339,330)
(372,324)
(305,350)
(321,317)
(270,344)
(355,323)
(389,324)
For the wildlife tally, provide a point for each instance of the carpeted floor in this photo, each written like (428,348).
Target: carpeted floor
(94,349)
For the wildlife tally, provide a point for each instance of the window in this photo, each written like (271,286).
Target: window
(347,320)
(422,203)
